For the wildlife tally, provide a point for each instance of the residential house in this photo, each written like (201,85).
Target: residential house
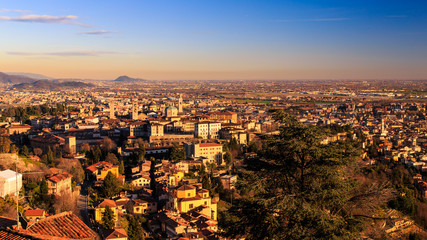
(188,197)
(100,208)
(140,180)
(60,183)
(100,170)
(139,207)
(35,214)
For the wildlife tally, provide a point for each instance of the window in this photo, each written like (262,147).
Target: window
(190,206)
(189,194)
(206,203)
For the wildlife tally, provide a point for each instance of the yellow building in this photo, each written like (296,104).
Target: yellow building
(140,207)
(101,169)
(187,197)
(100,208)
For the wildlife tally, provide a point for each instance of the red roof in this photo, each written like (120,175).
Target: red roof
(99,165)
(49,139)
(12,235)
(60,177)
(107,202)
(63,225)
(186,187)
(34,213)
(209,145)
(115,233)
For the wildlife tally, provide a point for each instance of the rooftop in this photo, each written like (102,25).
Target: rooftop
(64,225)
(8,174)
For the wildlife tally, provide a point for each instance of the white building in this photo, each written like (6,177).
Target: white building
(207,129)
(8,184)
(211,151)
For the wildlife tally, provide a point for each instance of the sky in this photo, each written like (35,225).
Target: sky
(215,39)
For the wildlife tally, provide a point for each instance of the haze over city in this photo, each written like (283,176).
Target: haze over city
(239,39)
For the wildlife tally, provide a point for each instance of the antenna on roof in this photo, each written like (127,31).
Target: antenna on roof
(17,192)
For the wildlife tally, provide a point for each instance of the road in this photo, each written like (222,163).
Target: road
(82,204)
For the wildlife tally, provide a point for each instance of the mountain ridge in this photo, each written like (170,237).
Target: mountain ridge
(50,85)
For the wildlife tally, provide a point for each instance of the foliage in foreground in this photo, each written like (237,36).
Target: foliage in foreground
(300,189)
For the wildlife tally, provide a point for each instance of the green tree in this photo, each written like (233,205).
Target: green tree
(5,144)
(24,152)
(134,229)
(141,153)
(299,191)
(112,158)
(177,153)
(253,147)
(108,218)
(43,188)
(228,158)
(206,182)
(121,168)
(49,156)
(97,154)
(111,186)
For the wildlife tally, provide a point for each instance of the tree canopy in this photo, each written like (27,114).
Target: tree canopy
(111,186)
(108,218)
(298,188)
(177,153)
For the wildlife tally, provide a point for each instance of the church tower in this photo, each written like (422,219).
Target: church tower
(180,104)
(134,110)
(112,110)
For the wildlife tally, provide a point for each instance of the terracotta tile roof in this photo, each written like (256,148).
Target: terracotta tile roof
(34,213)
(65,225)
(11,235)
(55,171)
(209,145)
(100,165)
(49,139)
(106,202)
(186,187)
(114,233)
(60,177)
(186,199)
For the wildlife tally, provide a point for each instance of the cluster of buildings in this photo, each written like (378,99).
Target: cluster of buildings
(177,206)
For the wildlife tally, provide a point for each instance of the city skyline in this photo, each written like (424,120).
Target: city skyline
(171,40)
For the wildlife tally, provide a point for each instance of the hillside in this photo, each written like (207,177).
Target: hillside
(128,79)
(13,79)
(50,85)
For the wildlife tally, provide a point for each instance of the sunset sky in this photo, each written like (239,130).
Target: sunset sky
(215,39)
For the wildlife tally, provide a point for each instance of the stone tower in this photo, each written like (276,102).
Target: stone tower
(112,110)
(134,110)
(180,104)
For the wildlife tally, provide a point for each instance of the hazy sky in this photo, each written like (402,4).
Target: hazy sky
(215,39)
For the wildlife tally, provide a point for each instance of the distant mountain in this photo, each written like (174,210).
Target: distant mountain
(12,79)
(128,79)
(30,75)
(50,85)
